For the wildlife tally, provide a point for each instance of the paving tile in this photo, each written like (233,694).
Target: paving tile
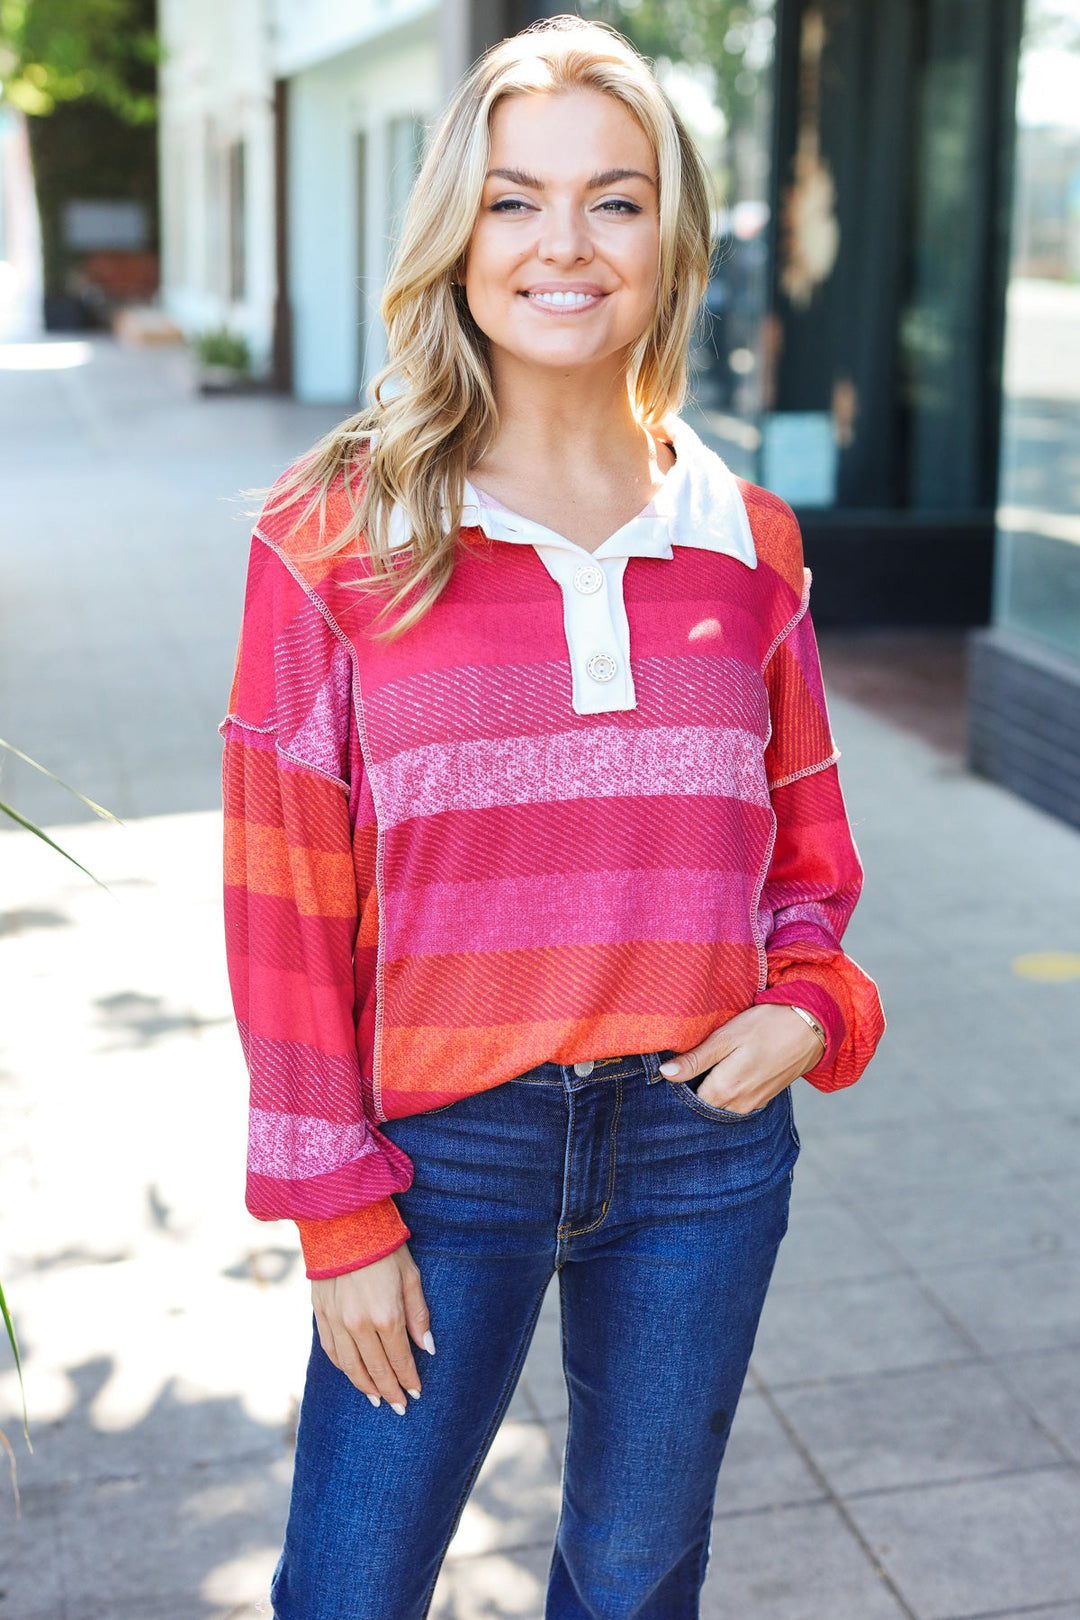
(203,1530)
(1055,1611)
(848,1328)
(799,1563)
(826,1242)
(30,1581)
(865,1164)
(914,1428)
(1014,1305)
(936,1226)
(1062,1189)
(515,1501)
(761,1467)
(981,1547)
(1042,1141)
(542,1375)
(509,1585)
(1050,1383)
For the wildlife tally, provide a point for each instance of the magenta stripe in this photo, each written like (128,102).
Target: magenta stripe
(569,908)
(603,762)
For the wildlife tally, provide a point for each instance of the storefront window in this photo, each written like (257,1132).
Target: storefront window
(1038,561)
(715,59)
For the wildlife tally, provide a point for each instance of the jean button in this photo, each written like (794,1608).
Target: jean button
(583,1070)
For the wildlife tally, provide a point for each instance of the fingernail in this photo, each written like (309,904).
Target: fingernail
(429,1344)
(399,1407)
(415,1393)
(670,1070)
(376,1400)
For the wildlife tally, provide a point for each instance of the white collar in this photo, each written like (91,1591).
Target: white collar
(698,505)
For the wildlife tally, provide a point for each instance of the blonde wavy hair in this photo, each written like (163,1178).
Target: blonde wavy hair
(431,410)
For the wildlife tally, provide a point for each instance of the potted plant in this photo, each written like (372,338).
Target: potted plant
(224,361)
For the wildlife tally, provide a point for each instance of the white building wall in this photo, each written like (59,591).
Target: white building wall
(217,89)
(353,67)
(337,260)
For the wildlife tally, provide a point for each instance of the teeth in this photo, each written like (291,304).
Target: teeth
(561,300)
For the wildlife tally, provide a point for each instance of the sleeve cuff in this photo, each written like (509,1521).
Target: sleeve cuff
(347,1242)
(816,1000)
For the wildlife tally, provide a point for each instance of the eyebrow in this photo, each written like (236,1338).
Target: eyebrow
(518,177)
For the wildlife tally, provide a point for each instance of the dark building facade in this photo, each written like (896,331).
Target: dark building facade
(1024,706)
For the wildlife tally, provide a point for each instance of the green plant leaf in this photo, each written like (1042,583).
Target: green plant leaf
(10,1326)
(9,810)
(98,809)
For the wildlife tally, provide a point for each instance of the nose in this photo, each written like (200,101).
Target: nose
(564,235)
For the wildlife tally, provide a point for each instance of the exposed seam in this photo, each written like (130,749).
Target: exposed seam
(284,753)
(245,725)
(808,770)
(380,840)
(380,902)
(755,914)
(789,627)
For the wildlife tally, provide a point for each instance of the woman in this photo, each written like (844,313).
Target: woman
(537,864)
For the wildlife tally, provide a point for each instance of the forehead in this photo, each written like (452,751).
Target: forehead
(582,128)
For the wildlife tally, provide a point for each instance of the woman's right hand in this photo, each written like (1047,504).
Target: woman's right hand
(362,1318)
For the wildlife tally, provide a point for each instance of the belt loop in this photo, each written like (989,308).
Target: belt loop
(653,1061)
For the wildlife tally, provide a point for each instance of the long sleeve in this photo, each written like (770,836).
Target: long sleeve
(814,875)
(300,926)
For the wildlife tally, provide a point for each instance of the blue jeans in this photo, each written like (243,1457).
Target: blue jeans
(662,1217)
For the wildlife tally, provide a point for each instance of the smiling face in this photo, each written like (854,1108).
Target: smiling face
(562,264)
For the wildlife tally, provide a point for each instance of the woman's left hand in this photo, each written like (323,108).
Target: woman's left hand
(750,1059)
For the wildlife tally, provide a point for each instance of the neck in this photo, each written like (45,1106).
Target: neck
(552,418)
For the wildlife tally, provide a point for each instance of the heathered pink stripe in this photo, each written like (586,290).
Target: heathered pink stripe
(601,763)
(570,908)
(298,1146)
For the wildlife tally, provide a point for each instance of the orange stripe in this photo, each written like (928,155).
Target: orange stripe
(568,983)
(260,858)
(350,1241)
(424,1067)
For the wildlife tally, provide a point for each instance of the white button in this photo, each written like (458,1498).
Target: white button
(583,1070)
(588,579)
(602,667)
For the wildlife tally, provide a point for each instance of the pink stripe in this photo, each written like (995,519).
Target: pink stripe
(603,762)
(341,1192)
(298,1146)
(597,908)
(452,703)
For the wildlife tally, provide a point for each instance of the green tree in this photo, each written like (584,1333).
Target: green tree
(54,51)
(733,37)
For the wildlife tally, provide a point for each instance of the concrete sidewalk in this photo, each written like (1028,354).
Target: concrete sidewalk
(909,1439)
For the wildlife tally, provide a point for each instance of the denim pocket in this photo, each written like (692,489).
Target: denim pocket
(728,1116)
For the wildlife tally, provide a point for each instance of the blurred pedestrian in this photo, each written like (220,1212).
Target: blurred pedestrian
(537,864)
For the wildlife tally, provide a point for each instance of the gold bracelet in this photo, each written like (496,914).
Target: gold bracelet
(808,1018)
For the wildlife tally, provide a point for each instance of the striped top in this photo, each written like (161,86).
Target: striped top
(438,874)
